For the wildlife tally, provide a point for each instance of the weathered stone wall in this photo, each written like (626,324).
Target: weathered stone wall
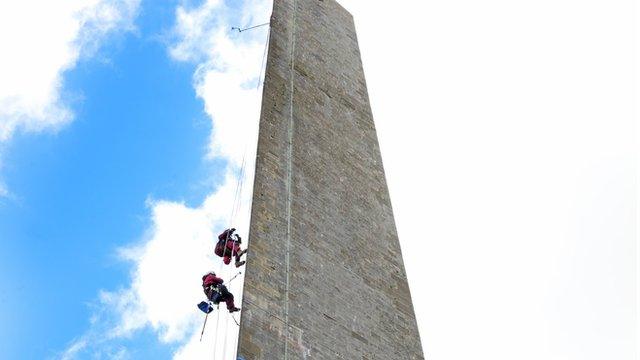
(324,259)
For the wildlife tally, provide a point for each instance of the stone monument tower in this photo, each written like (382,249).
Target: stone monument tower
(325,277)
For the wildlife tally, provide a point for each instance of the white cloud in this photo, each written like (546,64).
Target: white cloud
(169,260)
(81,349)
(226,76)
(39,42)
(3,190)
(164,296)
(74,349)
(194,28)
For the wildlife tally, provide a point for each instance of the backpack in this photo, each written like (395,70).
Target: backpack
(219,250)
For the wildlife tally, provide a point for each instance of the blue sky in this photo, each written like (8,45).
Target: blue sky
(80,193)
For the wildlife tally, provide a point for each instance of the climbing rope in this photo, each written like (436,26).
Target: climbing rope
(215,341)
(235,210)
(289,177)
(264,55)
(237,204)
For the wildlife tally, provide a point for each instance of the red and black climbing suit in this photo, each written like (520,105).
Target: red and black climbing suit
(228,246)
(216,292)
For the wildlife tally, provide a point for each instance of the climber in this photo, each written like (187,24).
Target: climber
(229,246)
(226,234)
(216,292)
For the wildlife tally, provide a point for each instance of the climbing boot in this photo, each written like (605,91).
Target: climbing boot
(240,263)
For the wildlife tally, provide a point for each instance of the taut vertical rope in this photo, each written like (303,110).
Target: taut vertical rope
(235,210)
(289,176)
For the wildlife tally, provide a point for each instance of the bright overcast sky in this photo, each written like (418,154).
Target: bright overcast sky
(507,133)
